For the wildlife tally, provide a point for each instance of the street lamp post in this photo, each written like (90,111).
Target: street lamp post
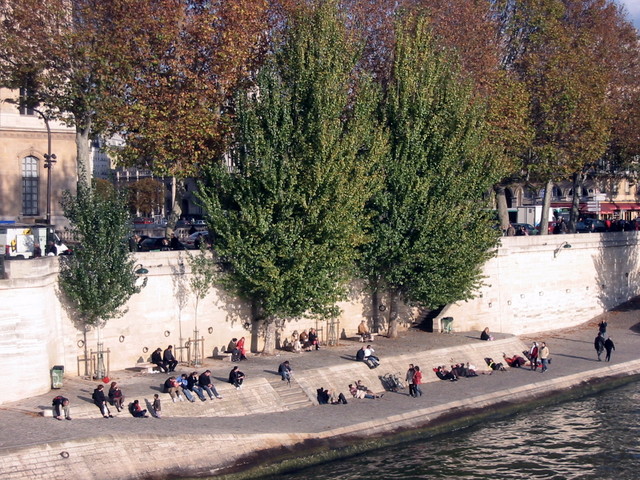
(49,160)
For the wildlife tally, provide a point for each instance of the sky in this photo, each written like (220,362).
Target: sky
(633,7)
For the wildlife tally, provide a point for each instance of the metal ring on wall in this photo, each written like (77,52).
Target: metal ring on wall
(121,338)
(80,343)
(145,350)
(210,330)
(64,454)
(167,333)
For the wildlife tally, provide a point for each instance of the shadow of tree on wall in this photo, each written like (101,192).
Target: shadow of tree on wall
(616,268)
(181,295)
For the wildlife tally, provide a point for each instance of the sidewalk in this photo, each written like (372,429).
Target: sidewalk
(27,435)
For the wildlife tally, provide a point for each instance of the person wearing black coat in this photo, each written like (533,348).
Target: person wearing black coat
(100,400)
(156,357)
(609,346)
(598,344)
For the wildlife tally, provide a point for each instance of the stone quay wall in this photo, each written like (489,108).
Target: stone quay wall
(533,284)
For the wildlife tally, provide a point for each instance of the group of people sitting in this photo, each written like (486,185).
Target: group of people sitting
(165,361)
(237,349)
(304,341)
(191,385)
(329,397)
(358,390)
(366,355)
(459,370)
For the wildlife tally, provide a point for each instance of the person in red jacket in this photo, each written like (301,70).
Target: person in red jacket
(417,381)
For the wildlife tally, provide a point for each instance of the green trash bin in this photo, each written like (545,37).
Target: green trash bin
(57,374)
(447,324)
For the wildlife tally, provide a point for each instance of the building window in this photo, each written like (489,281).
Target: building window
(30,186)
(26,105)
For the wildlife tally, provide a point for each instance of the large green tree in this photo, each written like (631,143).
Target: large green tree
(99,278)
(431,233)
(287,214)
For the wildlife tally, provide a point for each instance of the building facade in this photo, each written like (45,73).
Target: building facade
(24,142)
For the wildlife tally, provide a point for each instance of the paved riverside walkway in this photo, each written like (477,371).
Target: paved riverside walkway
(31,445)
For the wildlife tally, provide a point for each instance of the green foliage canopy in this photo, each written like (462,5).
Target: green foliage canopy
(430,232)
(287,215)
(98,279)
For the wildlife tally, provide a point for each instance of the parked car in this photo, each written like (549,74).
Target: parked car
(142,221)
(531,230)
(590,225)
(192,240)
(199,223)
(153,244)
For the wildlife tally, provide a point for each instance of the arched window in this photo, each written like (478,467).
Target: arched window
(30,186)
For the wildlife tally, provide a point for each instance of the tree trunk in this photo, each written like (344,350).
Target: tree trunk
(575,203)
(83,154)
(546,204)
(393,314)
(269,337)
(375,308)
(501,205)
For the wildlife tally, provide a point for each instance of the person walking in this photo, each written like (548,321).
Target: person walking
(409,379)
(544,357)
(417,380)
(598,344)
(609,346)
(157,406)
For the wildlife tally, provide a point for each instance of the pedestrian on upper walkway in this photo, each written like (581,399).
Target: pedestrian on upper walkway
(598,344)
(609,346)
(544,356)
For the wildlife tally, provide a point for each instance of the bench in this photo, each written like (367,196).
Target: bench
(146,368)
(220,354)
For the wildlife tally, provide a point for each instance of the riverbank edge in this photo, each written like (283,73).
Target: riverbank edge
(441,419)
(245,456)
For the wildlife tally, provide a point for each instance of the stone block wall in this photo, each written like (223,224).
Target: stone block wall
(533,284)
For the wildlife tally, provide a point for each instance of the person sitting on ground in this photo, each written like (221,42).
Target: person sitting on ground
(296,346)
(443,374)
(312,342)
(169,359)
(284,369)
(337,399)
(360,354)
(100,401)
(363,331)
(194,387)
(236,377)
(116,397)
(183,384)
(361,386)
(173,389)
(204,381)
(156,358)
(471,370)
(60,404)
(358,393)
(322,396)
(485,335)
(136,410)
(233,343)
(516,361)
(370,358)
(304,339)
(495,366)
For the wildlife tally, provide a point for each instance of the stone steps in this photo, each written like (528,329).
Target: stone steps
(290,393)
(271,394)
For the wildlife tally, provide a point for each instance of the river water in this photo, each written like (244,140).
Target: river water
(597,437)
